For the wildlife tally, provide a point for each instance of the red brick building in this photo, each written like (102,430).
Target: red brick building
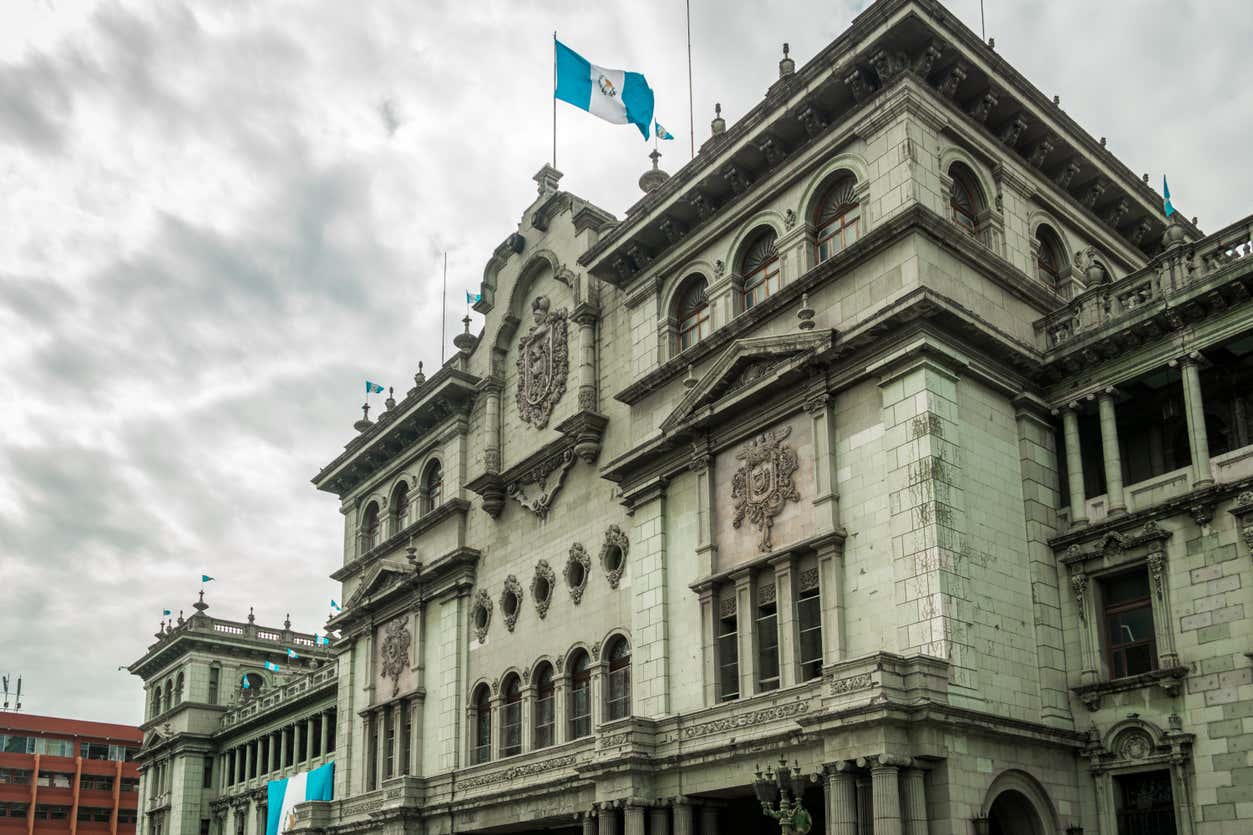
(67,776)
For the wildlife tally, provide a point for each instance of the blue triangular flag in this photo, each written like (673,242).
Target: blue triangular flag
(204,578)
(662,133)
(322,640)
(166,612)
(1166,206)
(245,685)
(335,606)
(373,388)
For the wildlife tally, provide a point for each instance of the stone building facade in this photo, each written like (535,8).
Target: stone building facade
(897,435)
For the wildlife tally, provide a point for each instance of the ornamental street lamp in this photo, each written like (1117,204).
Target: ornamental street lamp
(780,793)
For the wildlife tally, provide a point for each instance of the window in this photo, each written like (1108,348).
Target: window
(330,732)
(837,219)
(1049,257)
(619,701)
(168,701)
(13,810)
(545,707)
(1128,609)
(728,653)
(156,701)
(1145,804)
(130,784)
(406,737)
(317,732)
(760,269)
(809,628)
(580,695)
(511,718)
(389,745)
(93,814)
(961,200)
(15,776)
(214,674)
(56,747)
(372,774)
(95,782)
(93,750)
(370,525)
(767,647)
(432,487)
(692,312)
(400,505)
(55,780)
(208,773)
(178,689)
(482,724)
(204,826)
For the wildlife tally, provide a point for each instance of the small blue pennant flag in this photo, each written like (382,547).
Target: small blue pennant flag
(662,133)
(245,685)
(473,298)
(373,388)
(291,653)
(271,666)
(1166,205)
(205,578)
(166,612)
(322,640)
(335,606)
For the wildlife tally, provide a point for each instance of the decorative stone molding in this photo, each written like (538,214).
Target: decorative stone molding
(726,607)
(807,579)
(543,363)
(578,567)
(1170,679)
(763,483)
(508,775)
(596,651)
(481,614)
(613,554)
(548,476)
(542,587)
(394,651)
(766,595)
(1079,584)
(852,684)
(746,720)
(1243,511)
(511,601)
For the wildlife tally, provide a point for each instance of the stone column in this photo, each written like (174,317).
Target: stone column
(272,754)
(528,718)
(248,760)
(589,823)
(682,816)
(841,800)
(398,733)
(702,464)
(785,618)
(325,729)
(1114,501)
(585,318)
(887,796)
(634,815)
(607,817)
(1074,466)
(1194,408)
(819,404)
(282,748)
(915,804)
(865,806)
(307,730)
(659,821)
(561,722)
(709,819)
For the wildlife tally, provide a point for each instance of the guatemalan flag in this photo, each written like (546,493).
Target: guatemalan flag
(613,95)
(283,794)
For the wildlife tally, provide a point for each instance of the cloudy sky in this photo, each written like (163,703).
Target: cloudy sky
(219,217)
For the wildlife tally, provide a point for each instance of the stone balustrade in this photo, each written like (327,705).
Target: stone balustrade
(280,696)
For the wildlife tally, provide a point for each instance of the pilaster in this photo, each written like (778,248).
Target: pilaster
(650,684)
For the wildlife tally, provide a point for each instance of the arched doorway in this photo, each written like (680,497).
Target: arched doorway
(1012,813)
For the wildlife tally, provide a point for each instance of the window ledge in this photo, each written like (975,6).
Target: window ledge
(1170,679)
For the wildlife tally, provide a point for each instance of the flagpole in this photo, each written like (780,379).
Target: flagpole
(691,122)
(443,307)
(554,98)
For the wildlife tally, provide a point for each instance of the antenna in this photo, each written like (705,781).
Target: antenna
(14,703)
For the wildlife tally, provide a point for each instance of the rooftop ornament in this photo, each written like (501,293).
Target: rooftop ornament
(719,124)
(654,177)
(786,66)
(365,422)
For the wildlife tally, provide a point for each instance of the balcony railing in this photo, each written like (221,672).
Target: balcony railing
(279,696)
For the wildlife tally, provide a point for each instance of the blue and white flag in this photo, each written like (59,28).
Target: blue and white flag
(662,133)
(335,606)
(271,666)
(617,96)
(166,612)
(322,640)
(244,685)
(1166,206)
(283,794)
(473,298)
(291,653)
(373,388)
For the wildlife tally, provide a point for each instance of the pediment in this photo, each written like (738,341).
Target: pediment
(379,578)
(749,364)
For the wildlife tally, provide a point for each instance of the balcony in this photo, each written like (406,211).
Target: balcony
(270,700)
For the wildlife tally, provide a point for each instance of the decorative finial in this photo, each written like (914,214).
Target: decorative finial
(180,617)
(287,622)
(787,66)
(1057,100)
(1145,177)
(420,377)
(365,422)
(1102,141)
(161,628)
(718,125)
(547,178)
(251,617)
(690,380)
(991,43)
(200,605)
(465,341)
(654,177)
(805,314)
(390,402)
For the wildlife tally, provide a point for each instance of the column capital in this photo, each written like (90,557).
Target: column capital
(882,761)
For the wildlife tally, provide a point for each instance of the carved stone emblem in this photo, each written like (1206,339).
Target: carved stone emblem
(763,483)
(543,363)
(613,554)
(545,479)
(394,653)
(578,566)
(1133,745)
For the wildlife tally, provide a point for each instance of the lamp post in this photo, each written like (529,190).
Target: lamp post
(780,793)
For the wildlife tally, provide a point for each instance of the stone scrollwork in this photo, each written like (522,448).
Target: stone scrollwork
(542,587)
(1079,584)
(481,614)
(511,601)
(1243,511)
(613,554)
(1157,569)
(543,363)
(547,478)
(394,652)
(578,566)
(763,483)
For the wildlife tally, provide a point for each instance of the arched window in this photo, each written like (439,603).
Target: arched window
(963,207)
(545,707)
(837,219)
(482,724)
(251,686)
(511,718)
(370,525)
(692,312)
(156,700)
(580,695)
(618,700)
(399,505)
(759,269)
(178,689)
(169,694)
(432,487)
(1049,259)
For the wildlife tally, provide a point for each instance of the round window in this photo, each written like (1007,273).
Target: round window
(613,558)
(480,617)
(510,603)
(542,588)
(577,574)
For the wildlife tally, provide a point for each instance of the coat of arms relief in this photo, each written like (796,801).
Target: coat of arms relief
(763,483)
(394,652)
(543,363)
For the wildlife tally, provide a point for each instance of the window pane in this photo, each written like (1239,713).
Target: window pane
(767,649)
(1126,588)
(728,660)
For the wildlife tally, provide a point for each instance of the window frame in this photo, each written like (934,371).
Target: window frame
(618,680)
(432,491)
(580,724)
(545,732)
(692,318)
(727,643)
(511,717)
(832,224)
(1110,649)
(812,595)
(960,180)
(481,741)
(766,274)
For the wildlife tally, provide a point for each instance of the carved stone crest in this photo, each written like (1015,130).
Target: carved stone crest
(394,653)
(542,587)
(543,363)
(546,478)
(1133,745)
(578,566)
(763,483)
(613,554)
